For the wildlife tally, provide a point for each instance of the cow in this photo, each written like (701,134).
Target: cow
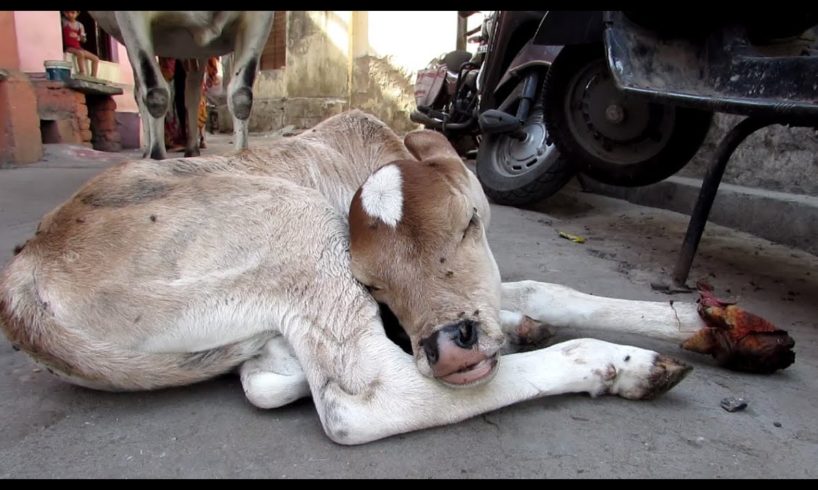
(189,35)
(273,262)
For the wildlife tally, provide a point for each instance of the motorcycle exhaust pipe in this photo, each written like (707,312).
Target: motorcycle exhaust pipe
(421,118)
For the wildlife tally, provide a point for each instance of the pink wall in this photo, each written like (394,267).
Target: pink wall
(39,38)
(9,58)
(125,102)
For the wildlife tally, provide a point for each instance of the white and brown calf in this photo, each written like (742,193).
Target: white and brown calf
(191,35)
(271,261)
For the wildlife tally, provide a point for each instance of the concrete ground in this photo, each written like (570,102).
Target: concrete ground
(54,430)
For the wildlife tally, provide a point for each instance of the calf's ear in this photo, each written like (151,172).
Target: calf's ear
(425,144)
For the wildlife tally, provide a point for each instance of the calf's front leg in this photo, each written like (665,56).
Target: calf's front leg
(399,399)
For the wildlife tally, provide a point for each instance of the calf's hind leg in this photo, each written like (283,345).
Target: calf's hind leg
(274,378)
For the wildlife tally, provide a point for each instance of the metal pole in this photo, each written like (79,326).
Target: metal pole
(462,23)
(710,185)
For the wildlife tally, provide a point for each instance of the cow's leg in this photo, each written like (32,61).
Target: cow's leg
(193,94)
(249,43)
(145,123)
(737,339)
(274,378)
(153,91)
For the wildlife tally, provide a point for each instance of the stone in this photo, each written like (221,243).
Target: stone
(733,404)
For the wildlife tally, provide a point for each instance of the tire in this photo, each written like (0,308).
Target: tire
(512,172)
(630,142)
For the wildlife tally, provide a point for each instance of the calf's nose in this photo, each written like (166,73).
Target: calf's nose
(447,341)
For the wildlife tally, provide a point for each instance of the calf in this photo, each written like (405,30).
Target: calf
(273,260)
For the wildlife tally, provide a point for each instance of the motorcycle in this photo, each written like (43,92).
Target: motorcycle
(624,97)
(446,92)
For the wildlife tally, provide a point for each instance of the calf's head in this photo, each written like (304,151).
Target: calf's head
(418,242)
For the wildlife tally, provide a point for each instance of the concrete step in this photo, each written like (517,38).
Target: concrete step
(789,219)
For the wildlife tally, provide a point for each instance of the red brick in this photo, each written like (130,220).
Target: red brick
(84,123)
(107,145)
(104,125)
(9,58)
(20,140)
(86,134)
(54,102)
(104,116)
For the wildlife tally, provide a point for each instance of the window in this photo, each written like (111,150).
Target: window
(274,55)
(98,41)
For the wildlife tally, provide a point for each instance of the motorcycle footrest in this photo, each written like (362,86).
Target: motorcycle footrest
(495,121)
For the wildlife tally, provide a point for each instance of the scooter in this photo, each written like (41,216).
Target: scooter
(625,97)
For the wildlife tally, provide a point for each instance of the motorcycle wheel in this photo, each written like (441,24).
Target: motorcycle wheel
(518,172)
(616,138)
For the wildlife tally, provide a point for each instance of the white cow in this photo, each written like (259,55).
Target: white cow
(273,260)
(194,35)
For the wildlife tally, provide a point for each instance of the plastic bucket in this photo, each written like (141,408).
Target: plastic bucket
(58,70)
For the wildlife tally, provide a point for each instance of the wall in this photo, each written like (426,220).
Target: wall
(313,85)
(126,101)
(342,59)
(318,53)
(9,58)
(39,38)
(774,158)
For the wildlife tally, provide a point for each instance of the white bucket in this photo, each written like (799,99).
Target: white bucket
(58,70)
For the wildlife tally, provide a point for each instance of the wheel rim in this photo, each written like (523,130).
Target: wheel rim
(611,125)
(514,157)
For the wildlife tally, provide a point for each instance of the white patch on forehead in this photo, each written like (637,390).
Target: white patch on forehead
(382,196)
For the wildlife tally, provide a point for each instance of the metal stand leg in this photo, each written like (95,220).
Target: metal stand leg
(707,195)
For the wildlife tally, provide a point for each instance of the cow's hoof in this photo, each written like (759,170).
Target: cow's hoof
(738,339)
(242,102)
(156,101)
(192,153)
(158,153)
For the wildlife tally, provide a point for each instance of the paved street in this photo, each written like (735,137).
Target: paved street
(54,430)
